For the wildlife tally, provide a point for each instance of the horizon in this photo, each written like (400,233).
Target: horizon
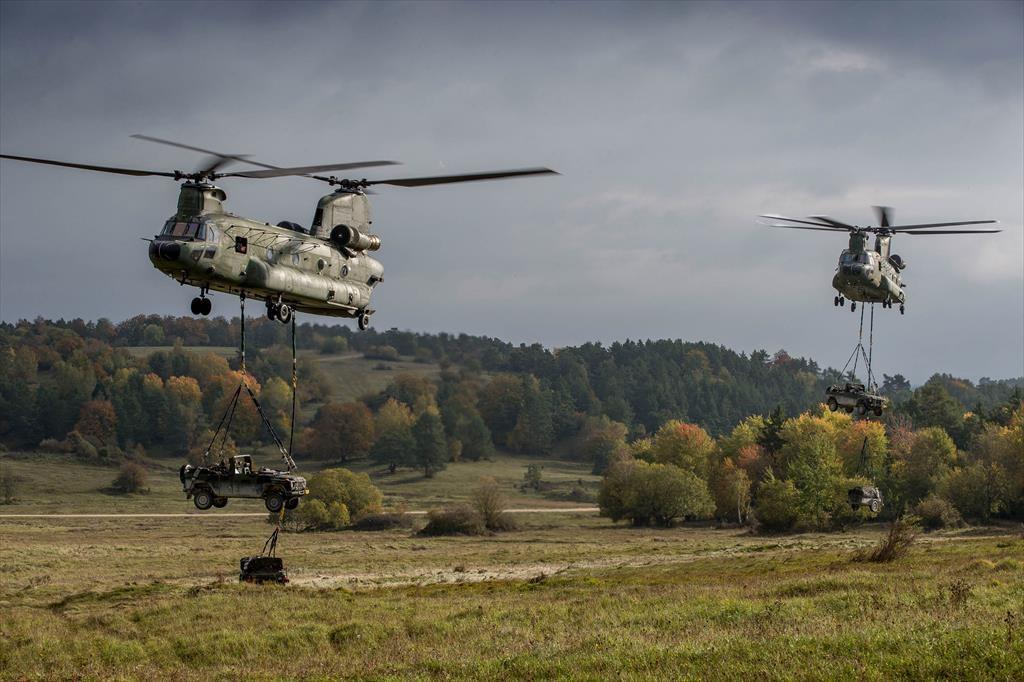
(915,382)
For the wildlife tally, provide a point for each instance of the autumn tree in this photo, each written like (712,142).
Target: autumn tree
(686,446)
(341,432)
(394,444)
(431,448)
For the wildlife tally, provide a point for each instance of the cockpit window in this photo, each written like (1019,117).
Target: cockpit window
(192,229)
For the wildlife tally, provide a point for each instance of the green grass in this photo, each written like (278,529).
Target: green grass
(563,597)
(52,483)
(351,376)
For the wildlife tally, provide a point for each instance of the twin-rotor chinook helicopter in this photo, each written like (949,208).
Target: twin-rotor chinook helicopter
(872,275)
(324,271)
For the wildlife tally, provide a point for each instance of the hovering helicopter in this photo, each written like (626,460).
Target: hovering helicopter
(324,270)
(872,275)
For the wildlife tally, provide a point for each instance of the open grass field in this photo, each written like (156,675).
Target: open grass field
(53,483)
(565,595)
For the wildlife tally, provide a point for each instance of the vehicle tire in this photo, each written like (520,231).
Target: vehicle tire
(220,502)
(284,313)
(862,409)
(207,307)
(203,499)
(274,502)
(197,306)
(874,506)
(271,312)
(292,503)
(832,404)
(878,411)
(181,473)
(364,322)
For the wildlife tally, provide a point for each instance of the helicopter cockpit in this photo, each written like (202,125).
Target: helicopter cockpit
(190,229)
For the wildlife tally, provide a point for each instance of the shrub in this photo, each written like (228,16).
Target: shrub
(489,504)
(9,485)
(336,496)
(936,513)
(459,520)
(777,504)
(130,479)
(659,493)
(375,522)
(902,534)
(381,353)
(81,447)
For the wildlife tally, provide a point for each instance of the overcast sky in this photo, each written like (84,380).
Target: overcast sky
(672,124)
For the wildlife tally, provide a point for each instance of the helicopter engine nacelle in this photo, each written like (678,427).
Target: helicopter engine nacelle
(348,237)
(898,262)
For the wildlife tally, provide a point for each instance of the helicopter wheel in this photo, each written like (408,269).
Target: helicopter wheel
(272,309)
(197,306)
(902,309)
(284,313)
(206,306)
(835,301)
(364,322)
(853,306)
(842,301)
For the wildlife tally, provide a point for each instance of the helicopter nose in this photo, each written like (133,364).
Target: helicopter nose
(165,250)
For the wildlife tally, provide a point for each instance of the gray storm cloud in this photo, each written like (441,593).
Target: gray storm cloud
(673,124)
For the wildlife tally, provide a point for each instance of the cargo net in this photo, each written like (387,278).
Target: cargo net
(860,352)
(224,426)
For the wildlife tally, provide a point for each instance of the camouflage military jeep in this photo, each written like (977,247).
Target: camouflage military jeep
(865,496)
(853,397)
(211,486)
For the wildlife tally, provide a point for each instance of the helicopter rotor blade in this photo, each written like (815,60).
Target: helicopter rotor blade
(795,220)
(901,228)
(85,166)
(306,170)
(467,177)
(217,155)
(800,227)
(931,232)
(884,215)
(834,223)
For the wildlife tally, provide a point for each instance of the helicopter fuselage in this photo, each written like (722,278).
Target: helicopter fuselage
(219,251)
(869,275)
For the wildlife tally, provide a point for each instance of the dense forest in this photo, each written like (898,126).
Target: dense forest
(754,421)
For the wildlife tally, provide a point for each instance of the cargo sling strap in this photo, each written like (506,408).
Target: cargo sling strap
(229,412)
(859,351)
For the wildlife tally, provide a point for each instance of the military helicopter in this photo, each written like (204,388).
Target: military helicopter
(872,275)
(324,270)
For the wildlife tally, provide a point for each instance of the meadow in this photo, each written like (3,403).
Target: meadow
(566,595)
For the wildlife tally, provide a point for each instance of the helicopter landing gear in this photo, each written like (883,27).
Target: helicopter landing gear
(839,301)
(201,305)
(278,310)
(364,322)
(835,301)
(903,309)
(853,306)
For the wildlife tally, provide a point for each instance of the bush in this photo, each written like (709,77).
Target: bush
(333,345)
(777,504)
(130,479)
(81,447)
(658,493)
(336,496)
(375,522)
(936,513)
(902,534)
(381,353)
(459,520)
(490,505)
(9,485)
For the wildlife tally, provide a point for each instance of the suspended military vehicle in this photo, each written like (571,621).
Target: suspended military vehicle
(324,270)
(871,275)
